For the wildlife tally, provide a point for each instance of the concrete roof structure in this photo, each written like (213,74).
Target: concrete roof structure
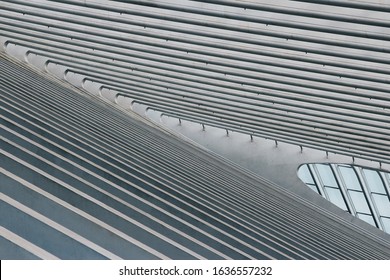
(80,166)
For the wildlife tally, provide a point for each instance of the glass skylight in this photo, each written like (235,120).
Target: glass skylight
(363,192)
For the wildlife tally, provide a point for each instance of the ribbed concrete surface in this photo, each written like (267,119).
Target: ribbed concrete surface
(309,73)
(81,179)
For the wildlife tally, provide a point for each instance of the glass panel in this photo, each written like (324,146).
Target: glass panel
(359,201)
(350,178)
(336,197)
(326,175)
(313,187)
(386,224)
(304,175)
(382,202)
(367,218)
(374,181)
(387,176)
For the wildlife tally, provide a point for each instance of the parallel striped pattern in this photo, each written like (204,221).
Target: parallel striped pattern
(311,73)
(79,178)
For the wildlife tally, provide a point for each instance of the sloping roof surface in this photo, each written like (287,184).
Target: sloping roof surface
(311,73)
(82,179)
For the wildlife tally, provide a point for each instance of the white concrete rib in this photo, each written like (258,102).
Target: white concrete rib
(52,224)
(23,243)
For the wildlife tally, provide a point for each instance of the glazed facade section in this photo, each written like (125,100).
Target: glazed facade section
(361,191)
